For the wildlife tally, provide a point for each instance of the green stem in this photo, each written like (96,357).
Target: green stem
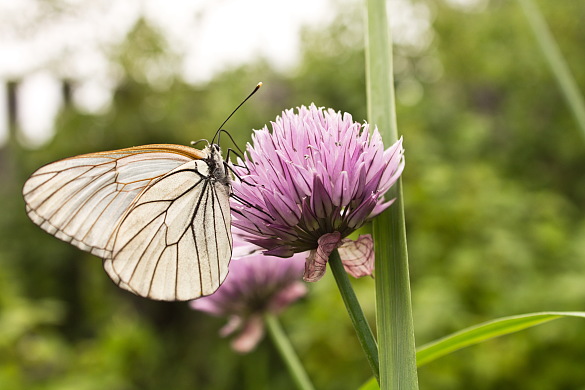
(555,60)
(393,304)
(288,353)
(362,328)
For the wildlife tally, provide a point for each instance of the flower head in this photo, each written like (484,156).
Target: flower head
(316,178)
(255,285)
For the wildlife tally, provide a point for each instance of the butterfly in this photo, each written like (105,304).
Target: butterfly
(158,215)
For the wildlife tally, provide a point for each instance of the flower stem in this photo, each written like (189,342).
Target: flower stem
(555,60)
(393,304)
(362,328)
(287,353)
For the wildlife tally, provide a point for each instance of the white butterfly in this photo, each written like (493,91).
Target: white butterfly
(158,215)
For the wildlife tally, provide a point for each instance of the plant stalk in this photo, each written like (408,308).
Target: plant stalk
(360,323)
(287,352)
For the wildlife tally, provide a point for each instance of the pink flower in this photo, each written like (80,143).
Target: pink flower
(315,179)
(254,286)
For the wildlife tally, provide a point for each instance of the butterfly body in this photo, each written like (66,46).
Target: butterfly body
(158,215)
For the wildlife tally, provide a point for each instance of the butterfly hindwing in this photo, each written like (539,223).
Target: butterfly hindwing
(175,241)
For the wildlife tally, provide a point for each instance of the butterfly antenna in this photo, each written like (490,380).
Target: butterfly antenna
(234,111)
(194,143)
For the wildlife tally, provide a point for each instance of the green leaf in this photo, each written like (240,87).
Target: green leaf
(370,385)
(479,333)
(396,346)
(557,63)
(485,331)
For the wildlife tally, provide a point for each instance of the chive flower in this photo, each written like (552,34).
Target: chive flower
(309,183)
(255,285)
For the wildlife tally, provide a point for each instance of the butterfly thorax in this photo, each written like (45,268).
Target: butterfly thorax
(216,164)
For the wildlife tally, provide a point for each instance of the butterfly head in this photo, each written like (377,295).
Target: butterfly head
(213,152)
(214,149)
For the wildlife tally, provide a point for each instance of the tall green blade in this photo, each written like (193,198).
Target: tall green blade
(393,304)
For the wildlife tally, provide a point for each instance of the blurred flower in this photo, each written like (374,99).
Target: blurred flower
(316,178)
(254,286)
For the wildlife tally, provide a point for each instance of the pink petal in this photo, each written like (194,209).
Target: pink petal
(380,207)
(244,248)
(359,216)
(233,324)
(358,256)
(280,251)
(308,218)
(340,195)
(287,296)
(316,263)
(321,201)
(250,335)
(208,305)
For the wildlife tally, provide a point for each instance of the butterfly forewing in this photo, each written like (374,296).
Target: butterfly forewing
(153,213)
(80,199)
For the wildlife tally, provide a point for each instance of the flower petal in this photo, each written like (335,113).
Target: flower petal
(250,335)
(209,306)
(320,201)
(381,207)
(316,263)
(358,256)
(287,295)
(308,218)
(341,192)
(243,248)
(361,213)
(280,251)
(234,323)
(280,207)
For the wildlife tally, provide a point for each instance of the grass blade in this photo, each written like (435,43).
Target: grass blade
(393,304)
(480,333)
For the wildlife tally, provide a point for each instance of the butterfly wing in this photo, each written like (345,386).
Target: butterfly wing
(175,242)
(81,199)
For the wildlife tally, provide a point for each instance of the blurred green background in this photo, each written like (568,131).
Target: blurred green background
(495,205)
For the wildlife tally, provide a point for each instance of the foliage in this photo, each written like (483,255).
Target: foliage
(494,204)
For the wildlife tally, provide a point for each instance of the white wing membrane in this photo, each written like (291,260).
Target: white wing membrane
(153,213)
(175,242)
(81,199)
